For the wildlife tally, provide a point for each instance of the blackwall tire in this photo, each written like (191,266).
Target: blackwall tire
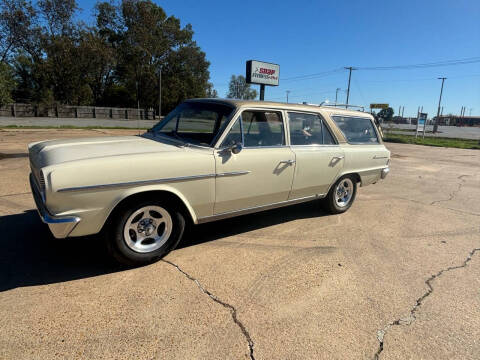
(144,232)
(341,195)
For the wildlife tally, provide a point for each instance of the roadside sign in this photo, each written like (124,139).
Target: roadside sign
(379,106)
(262,73)
(421,123)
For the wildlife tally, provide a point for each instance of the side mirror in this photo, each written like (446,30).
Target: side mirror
(236,148)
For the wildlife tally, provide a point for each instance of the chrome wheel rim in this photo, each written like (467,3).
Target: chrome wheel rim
(147,229)
(344,192)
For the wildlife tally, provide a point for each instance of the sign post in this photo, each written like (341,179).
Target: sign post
(262,73)
(421,124)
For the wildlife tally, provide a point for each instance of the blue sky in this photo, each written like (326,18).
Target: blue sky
(308,37)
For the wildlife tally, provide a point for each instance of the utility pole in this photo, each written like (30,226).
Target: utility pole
(288,92)
(403,110)
(336,95)
(350,68)
(160,93)
(435,126)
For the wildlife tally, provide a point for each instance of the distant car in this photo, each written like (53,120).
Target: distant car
(209,159)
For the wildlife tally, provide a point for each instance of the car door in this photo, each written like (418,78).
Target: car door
(254,167)
(318,156)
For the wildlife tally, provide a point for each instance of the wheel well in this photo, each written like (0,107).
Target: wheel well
(357,177)
(149,195)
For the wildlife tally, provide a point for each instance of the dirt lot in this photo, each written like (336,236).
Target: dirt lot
(396,277)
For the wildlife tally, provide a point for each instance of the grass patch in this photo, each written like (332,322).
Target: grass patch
(396,129)
(71,127)
(433,141)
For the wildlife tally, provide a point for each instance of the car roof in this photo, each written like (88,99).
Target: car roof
(331,110)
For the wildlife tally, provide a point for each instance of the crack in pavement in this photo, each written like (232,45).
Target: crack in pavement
(453,193)
(232,309)
(423,203)
(7,195)
(412,317)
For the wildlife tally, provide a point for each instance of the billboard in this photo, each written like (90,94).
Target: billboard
(378,106)
(262,73)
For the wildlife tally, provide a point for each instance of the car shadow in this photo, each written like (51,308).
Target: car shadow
(32,256)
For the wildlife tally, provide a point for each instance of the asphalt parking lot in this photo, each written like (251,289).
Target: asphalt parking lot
(396,277)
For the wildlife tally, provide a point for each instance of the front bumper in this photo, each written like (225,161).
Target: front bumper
(385,172)
(60,226)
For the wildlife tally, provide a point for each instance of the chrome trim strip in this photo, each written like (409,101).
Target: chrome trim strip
(138,183)
(380,157)
(266,147)
(254,209)
(233,173)
(315,145)
(156,181)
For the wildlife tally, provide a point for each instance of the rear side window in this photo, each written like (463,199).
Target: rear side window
(308,129)
(357,130)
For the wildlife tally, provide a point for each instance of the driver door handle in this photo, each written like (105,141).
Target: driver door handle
(288,162)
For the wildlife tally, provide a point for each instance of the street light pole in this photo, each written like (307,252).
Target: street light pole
(336,94)
(435,126)
(288,92)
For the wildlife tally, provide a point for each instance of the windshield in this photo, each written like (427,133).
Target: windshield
(195,122)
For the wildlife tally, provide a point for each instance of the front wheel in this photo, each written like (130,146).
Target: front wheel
(341,195)
(144,232)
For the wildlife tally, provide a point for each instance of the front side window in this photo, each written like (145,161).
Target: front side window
(260,128)
(308,129)
(234,135)
(357,130)
(195,122)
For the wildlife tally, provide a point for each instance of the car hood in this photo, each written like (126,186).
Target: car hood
(52,152)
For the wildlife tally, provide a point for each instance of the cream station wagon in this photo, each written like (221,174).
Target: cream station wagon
(209,159)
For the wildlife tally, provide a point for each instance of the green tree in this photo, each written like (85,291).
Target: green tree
(211,92)
(239,89)
(148,41)
(7,84)
(19,29)
(114,62)
(386,114)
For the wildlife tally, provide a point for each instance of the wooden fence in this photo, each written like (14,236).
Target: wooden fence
(68,111)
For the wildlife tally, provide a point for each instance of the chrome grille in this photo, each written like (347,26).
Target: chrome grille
(41,181)
(39,178)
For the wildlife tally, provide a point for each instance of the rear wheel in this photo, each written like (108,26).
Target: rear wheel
(341,195)
(144,232)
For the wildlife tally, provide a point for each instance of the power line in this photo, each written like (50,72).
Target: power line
(425,65)
(355,81)
(313,76)
(470,60)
